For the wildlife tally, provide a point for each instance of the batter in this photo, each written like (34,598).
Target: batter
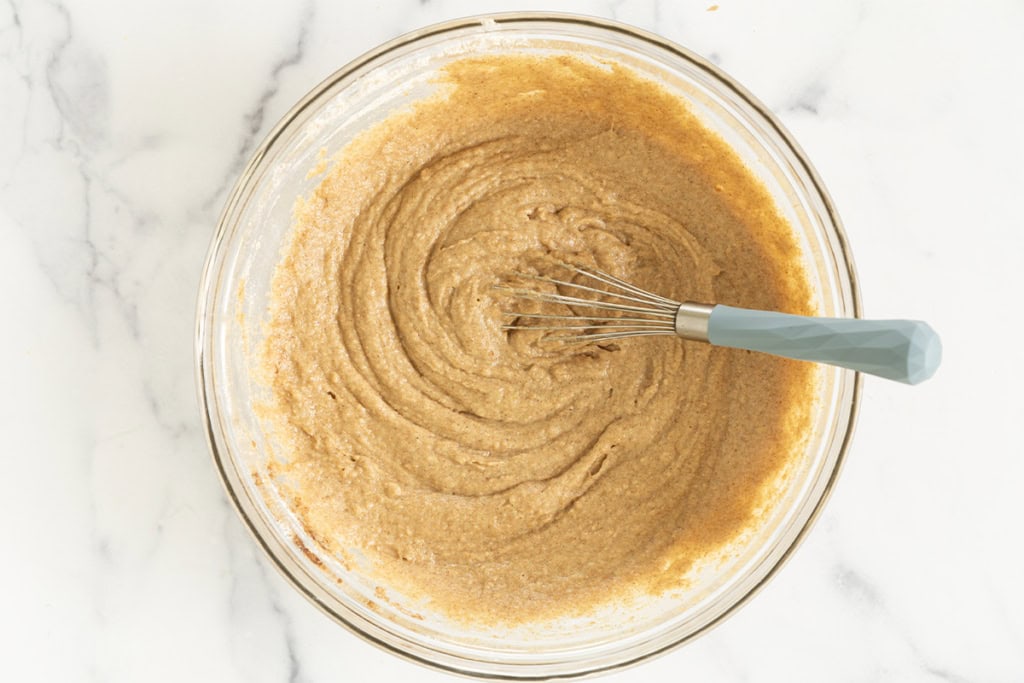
(503,478)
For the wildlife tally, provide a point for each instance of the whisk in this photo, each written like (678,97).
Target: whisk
(908,351)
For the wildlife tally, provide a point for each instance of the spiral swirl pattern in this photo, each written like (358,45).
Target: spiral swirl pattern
(506,478)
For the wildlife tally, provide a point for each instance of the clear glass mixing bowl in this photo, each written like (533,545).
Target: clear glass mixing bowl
(249,239)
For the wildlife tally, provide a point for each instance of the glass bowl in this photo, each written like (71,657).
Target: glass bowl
(253,230)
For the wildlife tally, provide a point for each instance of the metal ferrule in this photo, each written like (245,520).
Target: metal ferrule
(692,321)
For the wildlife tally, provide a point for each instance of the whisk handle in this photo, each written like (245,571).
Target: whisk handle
(907,351)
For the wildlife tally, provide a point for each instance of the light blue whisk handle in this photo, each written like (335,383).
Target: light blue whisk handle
(903,350)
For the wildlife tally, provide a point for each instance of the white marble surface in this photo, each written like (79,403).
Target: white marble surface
(121,127)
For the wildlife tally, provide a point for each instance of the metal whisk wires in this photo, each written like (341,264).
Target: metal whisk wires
(630,311)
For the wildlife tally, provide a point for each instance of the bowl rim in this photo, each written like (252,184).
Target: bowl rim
(230,480)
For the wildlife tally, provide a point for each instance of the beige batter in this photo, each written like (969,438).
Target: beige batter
(502,478)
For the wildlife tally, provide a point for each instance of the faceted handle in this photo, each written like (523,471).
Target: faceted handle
(904,350)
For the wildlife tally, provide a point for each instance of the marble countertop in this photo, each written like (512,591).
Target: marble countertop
(122,126)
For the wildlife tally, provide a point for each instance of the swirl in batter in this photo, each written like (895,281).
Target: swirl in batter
(503,478)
